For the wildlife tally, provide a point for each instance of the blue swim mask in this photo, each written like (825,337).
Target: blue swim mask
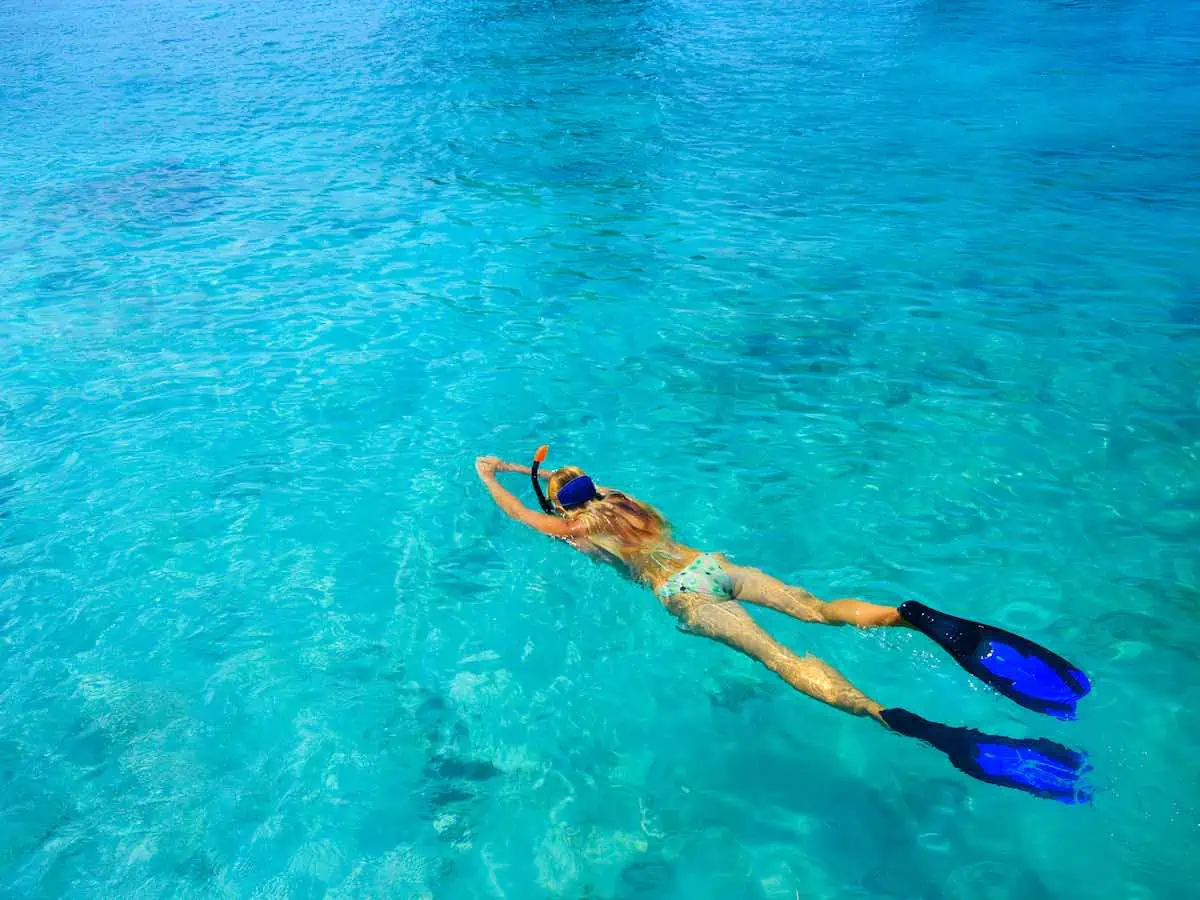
(575,492)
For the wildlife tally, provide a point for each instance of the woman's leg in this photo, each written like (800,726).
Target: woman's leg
(727,622)
(755,586)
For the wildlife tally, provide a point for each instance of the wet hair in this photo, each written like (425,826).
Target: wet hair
(621,524)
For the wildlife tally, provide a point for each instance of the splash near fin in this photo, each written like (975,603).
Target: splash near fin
(1021,670)
(1036,766)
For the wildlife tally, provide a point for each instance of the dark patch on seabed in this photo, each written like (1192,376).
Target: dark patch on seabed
(165,193)
(254,475)
(464,571)
(447,766)
(733,696)
(1186,308)
(452,787)
(9,489)
(370,664)
(649,877)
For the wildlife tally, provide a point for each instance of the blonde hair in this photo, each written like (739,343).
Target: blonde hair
(616,522)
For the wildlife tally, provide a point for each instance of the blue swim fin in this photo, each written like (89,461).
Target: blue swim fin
(1037,766)
(1021,670)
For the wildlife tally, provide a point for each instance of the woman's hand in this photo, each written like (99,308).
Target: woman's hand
(487,466)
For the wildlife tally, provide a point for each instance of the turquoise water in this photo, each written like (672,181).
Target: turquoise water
(896,299)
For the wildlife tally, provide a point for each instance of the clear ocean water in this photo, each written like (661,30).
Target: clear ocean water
(897,299)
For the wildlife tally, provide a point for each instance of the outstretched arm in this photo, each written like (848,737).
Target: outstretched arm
(487,466)
(503,466)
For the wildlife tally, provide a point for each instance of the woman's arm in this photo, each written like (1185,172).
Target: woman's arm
(503,466)
(487,466)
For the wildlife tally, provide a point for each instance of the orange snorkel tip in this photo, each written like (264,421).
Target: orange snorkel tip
(540,455)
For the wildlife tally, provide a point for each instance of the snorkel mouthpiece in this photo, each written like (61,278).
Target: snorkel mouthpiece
(576,492)
(538,458)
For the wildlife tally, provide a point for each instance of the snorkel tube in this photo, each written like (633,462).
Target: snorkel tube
(538,458)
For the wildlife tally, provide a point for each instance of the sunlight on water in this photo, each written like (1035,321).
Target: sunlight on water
(895,300)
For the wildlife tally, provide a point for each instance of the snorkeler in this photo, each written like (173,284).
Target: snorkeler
(705,592)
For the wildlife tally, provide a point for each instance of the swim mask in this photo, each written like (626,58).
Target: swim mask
(575,492)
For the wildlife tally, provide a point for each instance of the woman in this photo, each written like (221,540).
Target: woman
(705,592)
